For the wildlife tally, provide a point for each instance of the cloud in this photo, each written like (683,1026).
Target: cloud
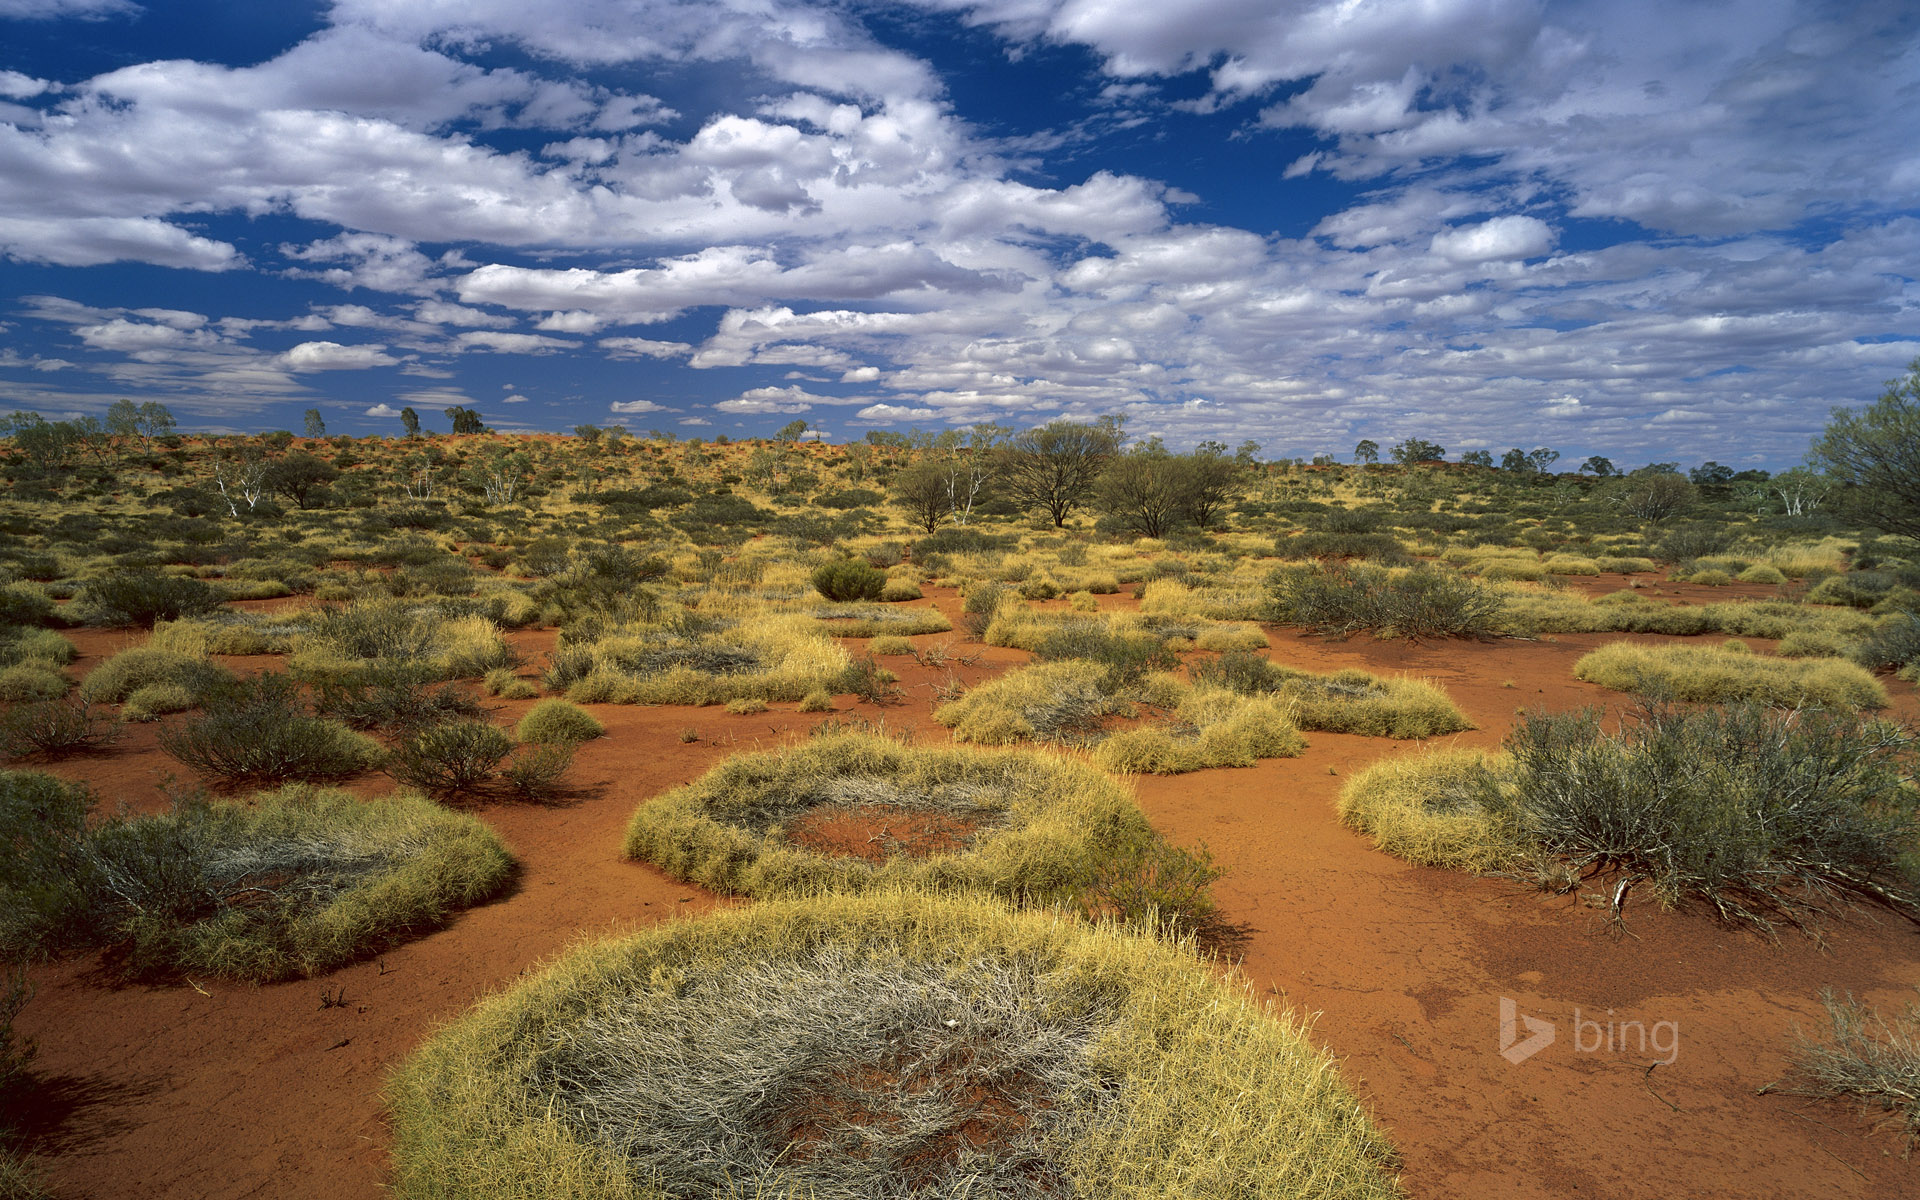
(887,414)
(91,241)
(635,347)
(382,410)
(511,343)
(636,406)
(332,356)
(45,10)
(1501,238)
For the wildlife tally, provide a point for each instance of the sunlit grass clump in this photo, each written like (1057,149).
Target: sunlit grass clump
(1763,815)
(890,1045)
(357,637)
(1710,674)
(874,620)
(294,882)
(861,811)
(693,659)
(1047,701)
(1347,701)
(1210,727)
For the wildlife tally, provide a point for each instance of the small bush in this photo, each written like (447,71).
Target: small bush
(1765,816)
(1704,674)
(457,757)
(746,706)
(890,644)
(1761,573)
(535,769)
(899,590)
(1868,1058)
(849,579)
(24,604)
(1216,729)
(865,679)
(1710,578)
(392,696)
(259,730)
(142,597)
(816,701)
(1419,603)
(555,720)
(1048,700)
(1894,643)
(54,728)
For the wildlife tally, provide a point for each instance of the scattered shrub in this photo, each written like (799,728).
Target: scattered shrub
(259,730)
(450,759)
(392,696)
(1894,643)
(295,882)
(1705,674)
(1869,1058)
(1422,602)
(817,700)
(899,590)
(849,579)
(142,597)
(746,706)
(1761,573)
(24,604)
(556,720)
(890,644)
(1215,729)
(535,769)
(54,728)
(1766,816)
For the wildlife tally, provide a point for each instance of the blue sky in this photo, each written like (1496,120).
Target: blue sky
(1650,231)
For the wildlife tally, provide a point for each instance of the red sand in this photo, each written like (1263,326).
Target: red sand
(219,1090)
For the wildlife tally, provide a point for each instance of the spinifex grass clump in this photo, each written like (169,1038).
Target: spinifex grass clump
(891,1045)
(1349,701)
(1211,727)
(861,811)
(1764,815)
(682,657)
(354,638)
(1709,674)
(296,882)
(872,620)
(1048,701)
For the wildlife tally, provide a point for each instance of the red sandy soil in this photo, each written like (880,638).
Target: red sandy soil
(213,1090)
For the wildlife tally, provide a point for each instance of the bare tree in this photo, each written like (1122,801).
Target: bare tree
(241,478)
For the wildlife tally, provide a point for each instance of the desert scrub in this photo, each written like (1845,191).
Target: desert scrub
(1062,700)
(502,682)
(35,646)
(693,659)
(394,697)
(55,728)
(1709,674)
(261,730)
(891,1045)
(1348,701)
(556,720)
(295,882)
(890,644)
(142,597)
(130,670)
(354,637)
(1421,602)
(1868,1058)
(1765,816)
(849,579)
(861,811)
(873,620)
(1211,727)
(32,681)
